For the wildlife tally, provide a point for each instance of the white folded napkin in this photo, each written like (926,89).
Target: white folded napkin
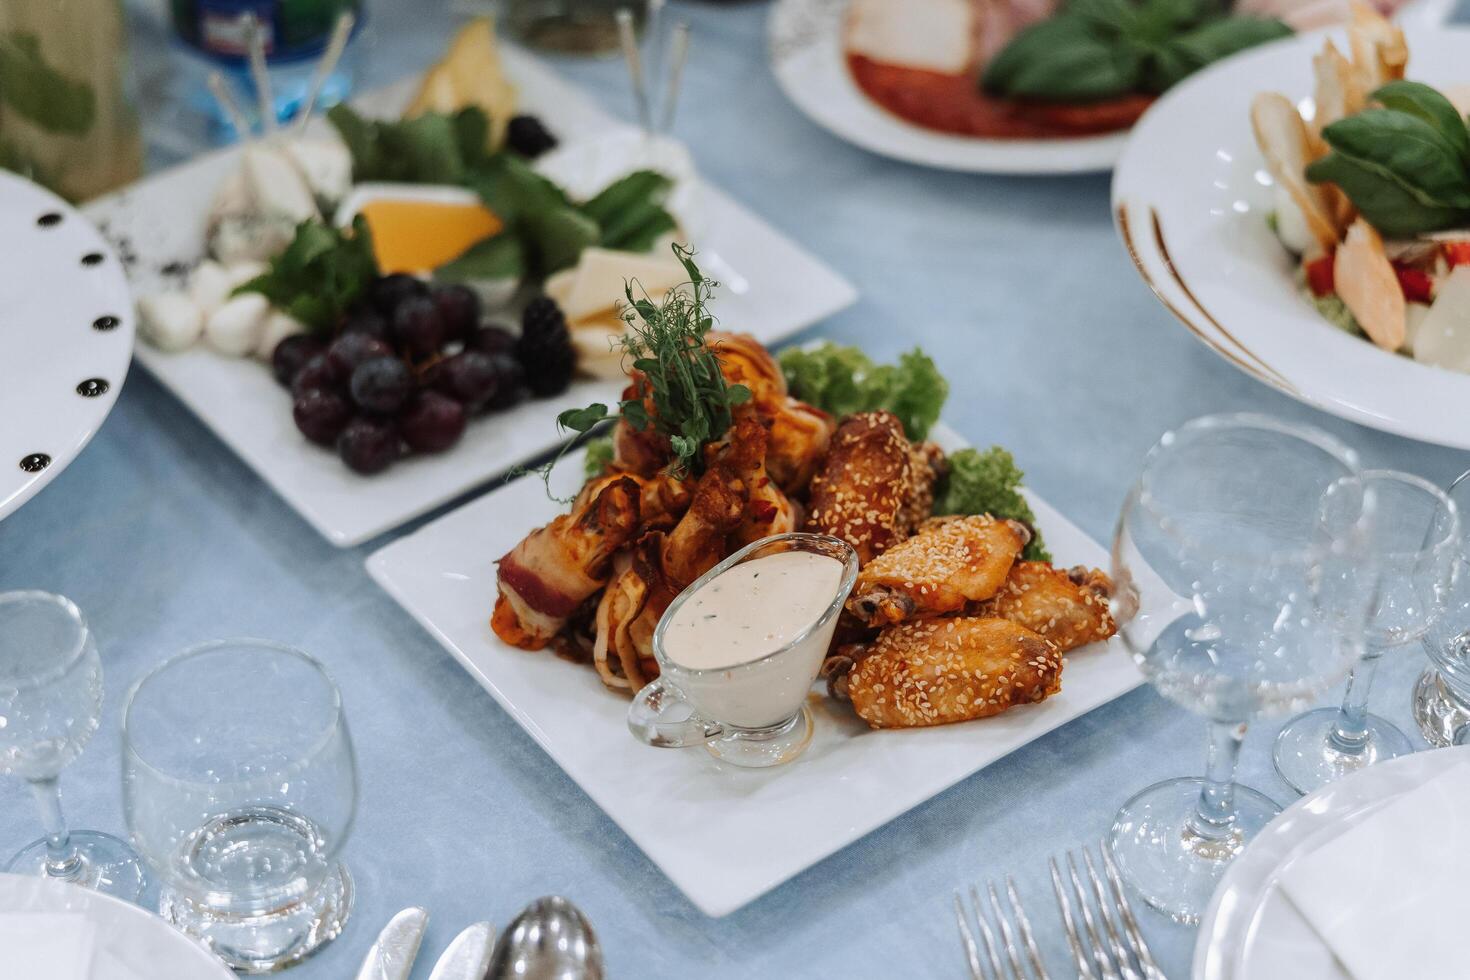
(46,945)
(1387,896)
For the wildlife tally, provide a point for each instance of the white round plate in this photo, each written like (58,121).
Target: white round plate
(66,336)
(805,39)
(129,942)
(1190,197)
(1250,931)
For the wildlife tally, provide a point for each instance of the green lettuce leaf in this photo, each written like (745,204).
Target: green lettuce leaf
(843,380)
(989,483)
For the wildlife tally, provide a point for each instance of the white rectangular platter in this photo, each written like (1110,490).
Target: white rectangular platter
(771,289)
(706,825)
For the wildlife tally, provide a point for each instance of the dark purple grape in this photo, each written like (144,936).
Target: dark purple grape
(291,355)
(459,310)
(382,385)
(492,340)
(321,415)
(318,373)
(368,445)
(470,378)
(366,320)
(416,327)
(386,293)
(350,350)
(433,423)
(528,136)
(510,386)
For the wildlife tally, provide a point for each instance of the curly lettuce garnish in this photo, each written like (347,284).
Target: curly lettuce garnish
(843,380)
(988,483)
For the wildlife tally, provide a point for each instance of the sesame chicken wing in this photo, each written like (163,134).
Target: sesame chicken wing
(871,484)
(937,671)
(555,568)
(950,562)
(1068,607)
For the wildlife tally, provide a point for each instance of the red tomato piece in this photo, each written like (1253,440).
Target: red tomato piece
(1319,276)
(1416,284)
(1457,253)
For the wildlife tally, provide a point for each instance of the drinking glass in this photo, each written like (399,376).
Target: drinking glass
(240,786)
(1415,540)
(1442,694)
(1241,589)
(568,26)
(50,703)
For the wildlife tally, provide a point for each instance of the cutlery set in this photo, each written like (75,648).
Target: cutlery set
(549,940)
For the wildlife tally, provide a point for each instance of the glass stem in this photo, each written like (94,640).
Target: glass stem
(62,859)
(1349,734)
(1214,814)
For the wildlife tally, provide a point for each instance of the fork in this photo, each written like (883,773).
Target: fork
(1013,968)
(1118,944)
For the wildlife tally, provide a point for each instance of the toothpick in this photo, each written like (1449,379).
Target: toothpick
(255,39)
(341,33)
(653,44)
(679,48)
(629,41)
(228,105)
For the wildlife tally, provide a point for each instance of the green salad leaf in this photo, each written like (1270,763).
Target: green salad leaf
(433,148)
(843,380)
(319,274)
(988,483)
(599,456)
(1102,49)
(1405,166)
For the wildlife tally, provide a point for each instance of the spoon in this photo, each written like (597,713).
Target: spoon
(550,940)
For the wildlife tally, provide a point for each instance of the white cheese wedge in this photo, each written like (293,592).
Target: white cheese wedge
(236,327)
(602,274)
(275,183)
(937,35)
(1414,316)
(598,352)
(558,285)
(170,320)
(325,163)
(1443,337)
(209,285)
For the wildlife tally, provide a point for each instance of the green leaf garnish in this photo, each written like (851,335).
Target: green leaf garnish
(843,380)
(319,274)
(988,483)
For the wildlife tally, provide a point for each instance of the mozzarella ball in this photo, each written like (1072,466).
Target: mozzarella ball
(235,328)
(209,286)
(170,320)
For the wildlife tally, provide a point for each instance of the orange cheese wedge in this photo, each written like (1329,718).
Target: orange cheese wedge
(419,236)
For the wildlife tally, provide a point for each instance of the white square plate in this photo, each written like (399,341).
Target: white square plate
(772,289)
(706,825)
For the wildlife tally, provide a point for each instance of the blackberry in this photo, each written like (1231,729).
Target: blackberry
(527,136)
(545,348)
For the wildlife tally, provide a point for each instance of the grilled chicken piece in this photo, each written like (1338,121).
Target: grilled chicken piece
(555,568)
(1069,608)
(873,485)
(800,438)
(950,562)
(937,671)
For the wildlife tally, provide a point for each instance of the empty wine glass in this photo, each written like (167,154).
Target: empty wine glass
(1441,702)
(1415,540)
(50,703)
(240,786)
(1241,589)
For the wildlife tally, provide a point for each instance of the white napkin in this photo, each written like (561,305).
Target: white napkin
(46,946)
(1387,896)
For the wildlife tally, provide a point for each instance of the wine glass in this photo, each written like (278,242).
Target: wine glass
(1241,588)
(240,786)
(1441,702)
(50,704)
(1415,540)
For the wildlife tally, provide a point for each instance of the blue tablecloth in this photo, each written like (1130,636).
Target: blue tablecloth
(1054,348)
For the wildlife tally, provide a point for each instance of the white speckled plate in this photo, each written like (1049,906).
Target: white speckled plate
(805,39)
(675,803)
(771,288)
(1191,202)
(66,336)
(129,943)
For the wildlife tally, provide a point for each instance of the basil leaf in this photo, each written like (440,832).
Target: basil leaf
(1062,60)
(558,237)
(1386,203)
(1406,150)
(1187,52)
(1159,20)
(500,256)
(1418,99)
(637,227)
(1110,16)
(639,187)
(1041,42)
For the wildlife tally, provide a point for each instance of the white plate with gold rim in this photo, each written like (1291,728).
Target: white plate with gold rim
(1190,199)
(1251,931)
(706,825)
(66,337)
(772,288)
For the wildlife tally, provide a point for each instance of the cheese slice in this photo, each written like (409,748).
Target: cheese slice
(417,228)
(601,276)
(275,184)
(936,35)
(598,352)
(471,74)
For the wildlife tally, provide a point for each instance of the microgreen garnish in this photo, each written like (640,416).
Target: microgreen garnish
(666,342)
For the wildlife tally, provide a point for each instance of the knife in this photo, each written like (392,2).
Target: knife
(392,954)
(468,956)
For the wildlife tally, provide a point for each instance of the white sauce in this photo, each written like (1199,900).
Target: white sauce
(752,610)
